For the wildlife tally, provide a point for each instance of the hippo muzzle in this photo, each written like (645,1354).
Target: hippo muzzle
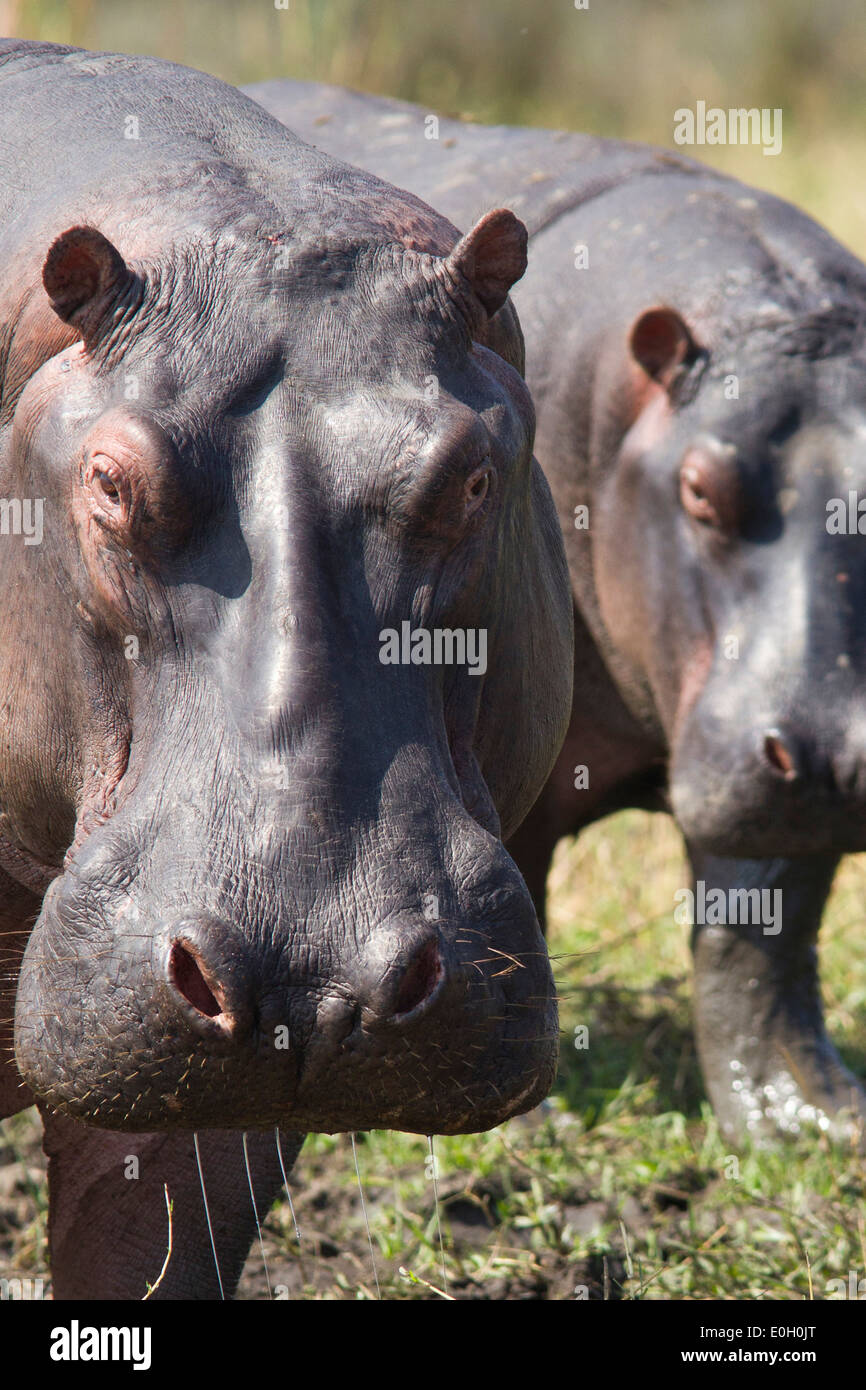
(412,990)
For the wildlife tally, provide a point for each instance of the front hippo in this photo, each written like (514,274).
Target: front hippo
(246,391)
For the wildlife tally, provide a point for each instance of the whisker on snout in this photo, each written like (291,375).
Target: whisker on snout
(435,1178)
(207,1215)
(366,1219)
(256,1212)
(286,1186)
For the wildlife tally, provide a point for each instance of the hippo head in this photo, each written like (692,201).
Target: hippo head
(266,469)
(732,566)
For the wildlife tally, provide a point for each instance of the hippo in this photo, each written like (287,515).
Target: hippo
(255,417)
(695,349)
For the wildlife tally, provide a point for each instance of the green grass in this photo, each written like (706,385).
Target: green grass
(24,1201)
(622,1185)
(619,1187)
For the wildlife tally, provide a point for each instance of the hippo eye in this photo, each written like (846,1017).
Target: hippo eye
(476,489)
(709,490)
(128,488)
(107,486)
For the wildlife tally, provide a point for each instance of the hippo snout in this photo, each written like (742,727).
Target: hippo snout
(214,987)
(437,1017)
(404,972)
(787,786)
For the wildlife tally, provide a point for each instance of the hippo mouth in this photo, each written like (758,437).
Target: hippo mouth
(454,1035)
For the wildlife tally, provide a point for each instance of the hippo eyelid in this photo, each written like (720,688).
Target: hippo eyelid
(478,488)
(709,485)
(107,483)
(442,483)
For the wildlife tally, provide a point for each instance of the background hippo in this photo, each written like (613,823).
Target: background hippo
(695,352)
(247,423)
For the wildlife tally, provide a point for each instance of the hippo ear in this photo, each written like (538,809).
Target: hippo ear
(87,281)
(492,257)
(660,342)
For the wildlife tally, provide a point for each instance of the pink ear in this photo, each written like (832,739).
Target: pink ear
(660,342)
(86,277)
(492,257)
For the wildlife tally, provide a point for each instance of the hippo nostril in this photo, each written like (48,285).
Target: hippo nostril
(186,976)
(419,979)
(779,756)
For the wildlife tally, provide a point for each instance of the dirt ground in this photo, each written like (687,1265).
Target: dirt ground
(619,1187)
(513,1234)
(486,1259)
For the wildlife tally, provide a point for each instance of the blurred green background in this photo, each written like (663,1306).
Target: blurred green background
(620,68)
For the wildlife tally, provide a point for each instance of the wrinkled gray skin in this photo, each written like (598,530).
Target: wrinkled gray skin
(707,523)
(252,389)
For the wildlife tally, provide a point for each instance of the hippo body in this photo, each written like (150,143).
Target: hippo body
(249,425)
(695,349)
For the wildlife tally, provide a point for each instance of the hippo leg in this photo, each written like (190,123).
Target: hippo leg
(768,1064)
(109,1230)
